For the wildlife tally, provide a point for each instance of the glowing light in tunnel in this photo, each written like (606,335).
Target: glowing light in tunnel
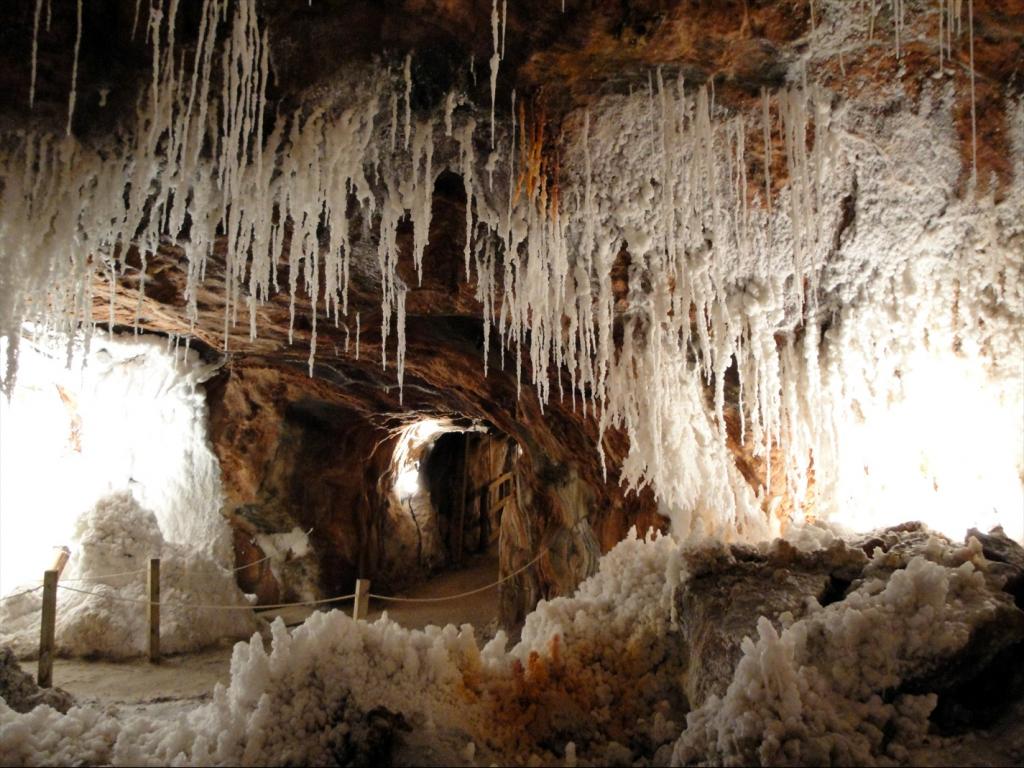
(406,463)
(408,483)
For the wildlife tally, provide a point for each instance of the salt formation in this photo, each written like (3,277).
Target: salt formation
(18,689)
(102,593)
(129,414)
(735,281)
(819,692)
(290,558)
(597,677)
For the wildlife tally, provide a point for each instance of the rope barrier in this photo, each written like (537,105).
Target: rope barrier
(19,594)
(303,603)
(94,579)
(225,607)
(250,565)
(461,594)
(106,576)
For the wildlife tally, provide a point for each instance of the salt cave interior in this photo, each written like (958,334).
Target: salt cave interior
(523,382)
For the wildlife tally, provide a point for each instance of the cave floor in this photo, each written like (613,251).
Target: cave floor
(191,676)
(480,609)
(136,681)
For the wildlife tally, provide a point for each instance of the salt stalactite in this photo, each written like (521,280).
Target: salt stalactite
(717,282)
(467,162)
(407,75)
(74,67)
(974,119)
(135,18)
(394,121)
(495,59)
(449,108)
(422,198)
(35,53)
(504,25)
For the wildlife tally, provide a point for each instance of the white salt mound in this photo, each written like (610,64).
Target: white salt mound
(113,542)
(595,680)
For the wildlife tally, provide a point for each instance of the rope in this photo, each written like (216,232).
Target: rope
(92,579)
(224,607)
(106,576)
(19,594)
(250,565)
(275,606)
(461,594)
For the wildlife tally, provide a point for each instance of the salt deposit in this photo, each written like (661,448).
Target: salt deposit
(102,593)
(593,672)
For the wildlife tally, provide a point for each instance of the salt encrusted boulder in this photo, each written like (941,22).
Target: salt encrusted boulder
(20,692)
(1007,558)
(730,589)
(922,644)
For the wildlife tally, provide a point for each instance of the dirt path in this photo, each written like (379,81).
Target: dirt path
(185,676)
(480,609)
(193,675)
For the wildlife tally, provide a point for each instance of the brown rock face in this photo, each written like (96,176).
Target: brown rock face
(316,452)
(721,604)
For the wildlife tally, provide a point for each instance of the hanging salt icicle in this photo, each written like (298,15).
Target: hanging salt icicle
(495,61)
(422,192)
(400,333)
(974,119)
(449,108)
(135,18)
(467,161)
(407,75)
(504,25)
(394,121)
(74,67)
(35,51)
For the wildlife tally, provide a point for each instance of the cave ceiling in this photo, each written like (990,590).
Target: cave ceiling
(557,60)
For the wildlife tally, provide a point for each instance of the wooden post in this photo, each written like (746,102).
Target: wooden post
(460,524)
(60,559)
(361,607)
(153,609)
(47,627)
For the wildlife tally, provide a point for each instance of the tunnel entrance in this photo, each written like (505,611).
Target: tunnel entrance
(470,482)
(454,484)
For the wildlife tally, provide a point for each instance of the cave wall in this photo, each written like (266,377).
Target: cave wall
(292,459)
(297,452)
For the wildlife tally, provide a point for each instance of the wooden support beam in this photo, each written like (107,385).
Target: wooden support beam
(361,607)
(460,524)
(153,609)
(47,629)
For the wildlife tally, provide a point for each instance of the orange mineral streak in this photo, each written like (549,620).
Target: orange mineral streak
(564,693)
(539,160)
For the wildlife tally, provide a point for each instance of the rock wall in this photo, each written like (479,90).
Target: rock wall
(304,453)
